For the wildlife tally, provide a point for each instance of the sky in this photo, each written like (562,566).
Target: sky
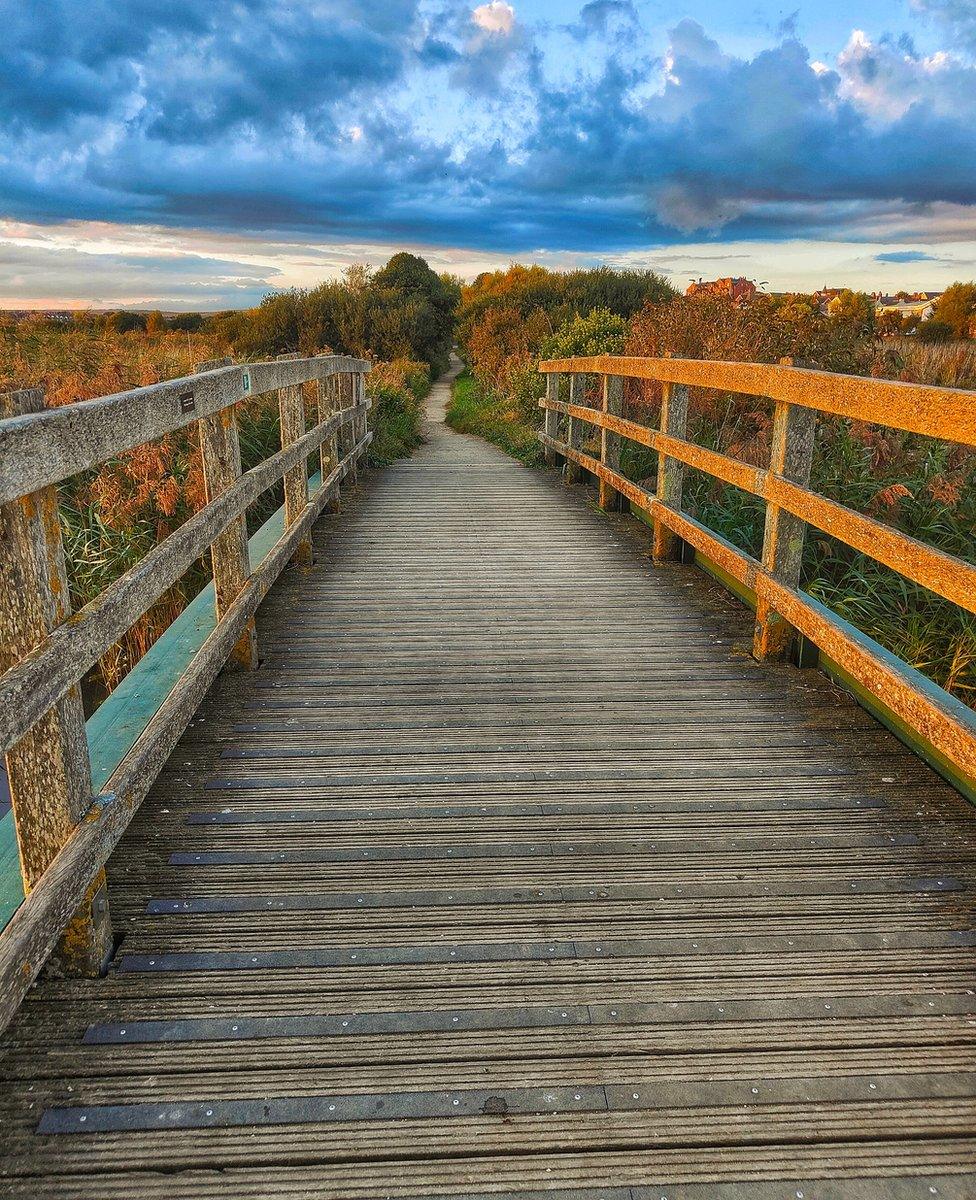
(189,154)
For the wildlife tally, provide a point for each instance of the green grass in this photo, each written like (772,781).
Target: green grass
(471,411)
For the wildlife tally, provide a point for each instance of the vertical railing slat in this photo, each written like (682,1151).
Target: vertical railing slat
(326,396)
(610,442)
(551,420)
(48,770)
(791,457)
(670,472)
(291,408)
(576,429)
(220,453)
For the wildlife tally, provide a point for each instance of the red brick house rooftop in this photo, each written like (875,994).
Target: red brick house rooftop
(737,290)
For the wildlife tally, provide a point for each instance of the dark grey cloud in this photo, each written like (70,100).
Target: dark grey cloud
(383,120)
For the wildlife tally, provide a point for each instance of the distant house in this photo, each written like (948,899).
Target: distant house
(919,305)
(737,290)
(824,296)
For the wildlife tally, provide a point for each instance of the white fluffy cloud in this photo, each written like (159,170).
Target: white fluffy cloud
(496,17)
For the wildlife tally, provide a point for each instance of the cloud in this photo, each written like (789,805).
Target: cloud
(442,123)
(33,274)
(603,18)
(905,256)
(496,17)
(958,17)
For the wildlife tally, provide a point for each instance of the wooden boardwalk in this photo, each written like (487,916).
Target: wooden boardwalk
(510,873)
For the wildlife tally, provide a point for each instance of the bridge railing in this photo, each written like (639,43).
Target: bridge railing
(932,721)
(74,785)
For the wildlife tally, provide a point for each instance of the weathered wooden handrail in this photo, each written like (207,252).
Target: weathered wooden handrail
(66,827)
(944,725)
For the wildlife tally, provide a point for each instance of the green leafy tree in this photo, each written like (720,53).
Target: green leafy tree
(956,307)
(854,308)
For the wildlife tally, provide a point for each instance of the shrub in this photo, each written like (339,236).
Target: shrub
(398,390)
(934,331)
(599,332)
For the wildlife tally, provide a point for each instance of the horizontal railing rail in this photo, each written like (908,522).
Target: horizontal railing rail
(935,721)
(65,826)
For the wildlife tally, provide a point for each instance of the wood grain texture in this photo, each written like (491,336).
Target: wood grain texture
(942,573)
(41,677)
(73,872)
(483,728)
(38,449)
(48,773)
(291,409)
(940,412)
(575,427)
(791,457)
(670,471)
(612,391)
(220,454)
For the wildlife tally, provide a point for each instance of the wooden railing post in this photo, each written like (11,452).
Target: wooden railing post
(326,395)
(551,420)
(291,408)
(48,770)
(220,453)
(791,456)
(577,429)
(359,397)
(613,403)
(670,472)
(347,437)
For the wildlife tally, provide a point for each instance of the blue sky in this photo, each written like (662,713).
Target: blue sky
(196,153)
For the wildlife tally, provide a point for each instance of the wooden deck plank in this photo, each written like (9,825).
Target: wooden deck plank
(507,815)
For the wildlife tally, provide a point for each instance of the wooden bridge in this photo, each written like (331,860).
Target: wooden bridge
(521,867)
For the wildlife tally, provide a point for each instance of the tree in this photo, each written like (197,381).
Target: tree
(125,322)
(956,307)
(856,308)
(934,330)
(426,304)
(186,322)
(891,323)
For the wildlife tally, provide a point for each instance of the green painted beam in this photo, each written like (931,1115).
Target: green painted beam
(114,726)
(11,882)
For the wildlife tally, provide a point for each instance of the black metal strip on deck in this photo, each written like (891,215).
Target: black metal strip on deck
(543,849)
(364,956)
(509,1102)
(453,812)
(444,897)
(369,1024)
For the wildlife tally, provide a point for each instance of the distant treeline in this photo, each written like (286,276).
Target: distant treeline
(403,311)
